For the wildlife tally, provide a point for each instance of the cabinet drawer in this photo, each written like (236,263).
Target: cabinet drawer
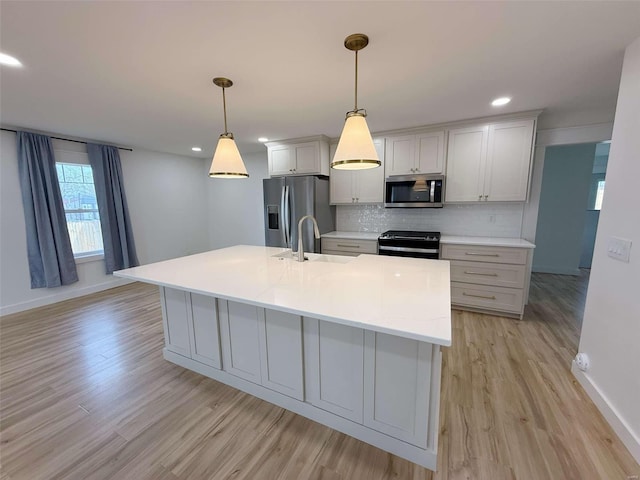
(501,275)
(353,246)
(480,253)
(341,253)
(488,297)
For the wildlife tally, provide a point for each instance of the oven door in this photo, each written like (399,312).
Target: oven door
(398,251)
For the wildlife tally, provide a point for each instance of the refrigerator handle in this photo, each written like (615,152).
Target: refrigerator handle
(283,216)
(286,221)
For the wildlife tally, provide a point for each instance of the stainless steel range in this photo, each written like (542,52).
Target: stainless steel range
(401,243)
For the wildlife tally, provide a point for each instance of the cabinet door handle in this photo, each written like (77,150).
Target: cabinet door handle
(481,273)
(348,246)
(485,197)
(479,197)
(492,297)
(482,254)
(357,199)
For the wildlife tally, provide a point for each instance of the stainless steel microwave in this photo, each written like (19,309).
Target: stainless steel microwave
(414,191)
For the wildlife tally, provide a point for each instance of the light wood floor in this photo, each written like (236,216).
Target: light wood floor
(86,394)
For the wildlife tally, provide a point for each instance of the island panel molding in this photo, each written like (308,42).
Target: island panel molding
(375,383)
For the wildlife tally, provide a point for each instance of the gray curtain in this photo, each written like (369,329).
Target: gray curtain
(117,235)
(51,261)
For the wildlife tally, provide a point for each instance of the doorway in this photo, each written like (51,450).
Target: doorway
(571,193)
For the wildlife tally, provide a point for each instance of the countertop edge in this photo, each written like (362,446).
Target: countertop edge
(442,341)
(445,239)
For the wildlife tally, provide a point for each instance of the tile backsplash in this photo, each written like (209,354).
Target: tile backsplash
(485,220)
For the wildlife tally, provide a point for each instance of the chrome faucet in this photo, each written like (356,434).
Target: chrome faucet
(300,251)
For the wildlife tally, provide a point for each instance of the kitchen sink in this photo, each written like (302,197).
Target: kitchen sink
(314,257)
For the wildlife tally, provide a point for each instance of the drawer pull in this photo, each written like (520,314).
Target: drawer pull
(482,254)
(481,273)
(348,246)
(492,297)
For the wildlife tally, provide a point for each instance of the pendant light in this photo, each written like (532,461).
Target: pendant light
(227,162)
(355,149)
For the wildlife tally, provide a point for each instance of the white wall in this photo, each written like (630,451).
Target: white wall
(611,325)
(166,201)
(234,206)
(563,201)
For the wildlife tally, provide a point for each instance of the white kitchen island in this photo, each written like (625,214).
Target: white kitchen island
(350,342)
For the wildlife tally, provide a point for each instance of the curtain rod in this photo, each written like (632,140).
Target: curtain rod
(67,139)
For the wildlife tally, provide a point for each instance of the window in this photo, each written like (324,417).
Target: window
(599,195)
(81,208)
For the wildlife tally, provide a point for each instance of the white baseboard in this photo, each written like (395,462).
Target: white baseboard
(59,297)
(555,270)
(628,437)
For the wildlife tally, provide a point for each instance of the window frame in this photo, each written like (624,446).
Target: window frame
(71,157)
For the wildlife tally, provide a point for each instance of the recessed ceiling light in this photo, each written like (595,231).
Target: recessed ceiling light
(196,149)
(498,102)
(263,139)
(9,60)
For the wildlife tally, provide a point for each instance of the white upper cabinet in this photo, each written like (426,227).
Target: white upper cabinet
(466,159)
(308,156)
(415,154)
(358,186)
(507,174)
(490,163)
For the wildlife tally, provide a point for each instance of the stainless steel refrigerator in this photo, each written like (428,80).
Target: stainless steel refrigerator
(286,201)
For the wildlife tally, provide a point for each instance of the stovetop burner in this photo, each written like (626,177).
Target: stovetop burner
(410,235)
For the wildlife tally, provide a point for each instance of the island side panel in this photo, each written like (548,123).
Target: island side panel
(334,367)
(240,339)
(264,350)
(281,352)
(175,320)
(205,335)
(397,386)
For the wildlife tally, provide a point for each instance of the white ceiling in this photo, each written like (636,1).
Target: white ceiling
(139,73)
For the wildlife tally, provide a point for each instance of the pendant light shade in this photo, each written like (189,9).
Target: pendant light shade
(226,162)
(356,150)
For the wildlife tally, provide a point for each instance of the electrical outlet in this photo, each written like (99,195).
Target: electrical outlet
(582,361)
(619,248)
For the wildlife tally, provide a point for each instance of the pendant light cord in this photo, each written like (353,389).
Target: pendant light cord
(224,109)
(356,99)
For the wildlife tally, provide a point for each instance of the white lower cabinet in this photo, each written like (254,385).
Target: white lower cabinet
(397,379)
(263,346)
(348,247)
(489,278)
(334,356)
(191,325)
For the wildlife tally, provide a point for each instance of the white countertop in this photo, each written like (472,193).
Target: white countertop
(488,241)
(352,235)
(408,297)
